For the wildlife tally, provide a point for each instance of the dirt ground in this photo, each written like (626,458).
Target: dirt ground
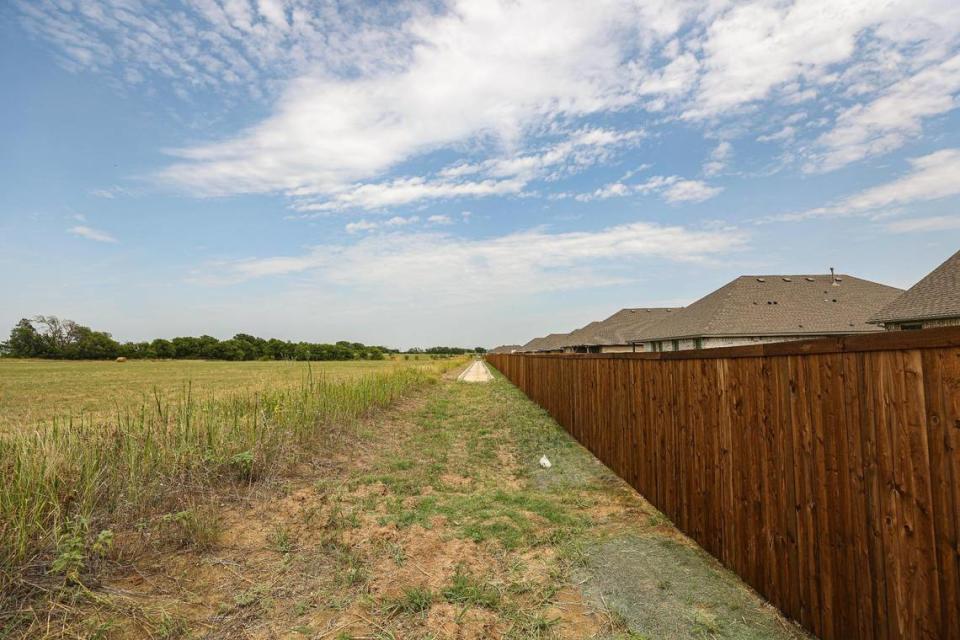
(433,520)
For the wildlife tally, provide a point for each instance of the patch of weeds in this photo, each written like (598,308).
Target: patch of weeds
(242,464)
(657,519)
(399,484)
(198,527)
(414,600)
(280,540)
(397,553)
(420,513)
(250,597)
(400,465)
(76,552)
(341,518)
(467,589)
(301,607)
(706,621)
(530,625)
(170,627)
(94,629)
(350,567)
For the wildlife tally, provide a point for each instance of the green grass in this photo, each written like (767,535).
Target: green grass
(38,390)
(66,481)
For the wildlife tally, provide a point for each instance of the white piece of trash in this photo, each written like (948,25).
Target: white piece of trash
(545,462)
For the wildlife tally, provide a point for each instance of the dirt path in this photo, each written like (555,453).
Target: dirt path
(435,521)
(477,371)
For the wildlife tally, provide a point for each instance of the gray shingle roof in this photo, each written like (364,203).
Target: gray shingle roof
(623,327)
(533,345)
(581,336)
(506,348)
(777,305)
(551,342)
(937,295)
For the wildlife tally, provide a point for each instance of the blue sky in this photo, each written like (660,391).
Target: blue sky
(468,172)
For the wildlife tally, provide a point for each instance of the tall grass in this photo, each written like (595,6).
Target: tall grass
(106,472)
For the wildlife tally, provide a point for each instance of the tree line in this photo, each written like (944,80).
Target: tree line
(51,337)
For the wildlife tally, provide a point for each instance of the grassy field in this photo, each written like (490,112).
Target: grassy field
(35,390)
(152,443)
(432,519)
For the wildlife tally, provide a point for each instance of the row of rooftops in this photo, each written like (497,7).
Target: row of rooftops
(771,306)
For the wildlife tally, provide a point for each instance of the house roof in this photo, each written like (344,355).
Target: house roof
(936,296)
(546,343)
(581,336)
(506,348)
(623,327)
(553,342)
(532,345)
(780,305)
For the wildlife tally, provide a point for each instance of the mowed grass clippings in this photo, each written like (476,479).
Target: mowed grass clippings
(69,485)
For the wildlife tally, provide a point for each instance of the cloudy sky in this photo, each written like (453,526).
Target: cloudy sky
(464,172)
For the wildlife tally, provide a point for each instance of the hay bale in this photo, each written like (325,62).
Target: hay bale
(121,359)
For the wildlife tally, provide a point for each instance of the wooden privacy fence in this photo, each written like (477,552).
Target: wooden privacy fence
(825,473)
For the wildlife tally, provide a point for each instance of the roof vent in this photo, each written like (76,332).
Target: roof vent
(760,280)
(836,280)
(809,279)
(786,279)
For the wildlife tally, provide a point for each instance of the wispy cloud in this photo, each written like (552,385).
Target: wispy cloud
(527,261)
(918,225)
(931,177)
(513,90)
(91,234)
(719,158)
(673,189)
(891,119)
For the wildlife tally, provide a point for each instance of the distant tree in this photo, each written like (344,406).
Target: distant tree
(51,337)
(24,342)
(479,350)
(87,344)
(161,348)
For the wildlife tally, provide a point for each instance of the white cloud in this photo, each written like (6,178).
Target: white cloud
(440,219)
(891,119)
(456,85)
(357,91)
(407,190)
(690,191)
(399,264)
(752,50)
(91,234)
(931,177)
(784,134)
(219,46)
(673,189)
(361,225)
(400,221)
(719,158)
(931,223)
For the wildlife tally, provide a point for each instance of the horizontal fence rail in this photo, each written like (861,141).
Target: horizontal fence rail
(825,473)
